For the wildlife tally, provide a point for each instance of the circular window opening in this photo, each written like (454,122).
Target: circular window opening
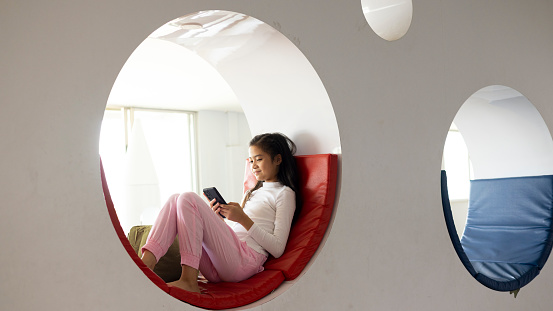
(389,19)
(497,188)
(179,118)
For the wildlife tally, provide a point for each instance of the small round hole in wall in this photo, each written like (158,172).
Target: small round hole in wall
(508,158)
(253,68)
(389,19)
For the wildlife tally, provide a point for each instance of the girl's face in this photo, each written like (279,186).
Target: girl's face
(263,167)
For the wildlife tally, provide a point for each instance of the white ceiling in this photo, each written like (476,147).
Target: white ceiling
(163,74)
(497,93)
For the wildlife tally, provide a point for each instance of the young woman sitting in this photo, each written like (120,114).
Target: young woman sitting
(233,250)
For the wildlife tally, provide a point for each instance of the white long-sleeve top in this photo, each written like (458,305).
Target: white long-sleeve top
(271,208)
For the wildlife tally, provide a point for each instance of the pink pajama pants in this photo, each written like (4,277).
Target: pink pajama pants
(205,242)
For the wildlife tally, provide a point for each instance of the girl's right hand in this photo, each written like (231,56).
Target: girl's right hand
(215,207)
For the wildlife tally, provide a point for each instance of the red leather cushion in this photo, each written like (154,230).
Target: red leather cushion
(126,244)
(226,295)
(318,175)
(216,295)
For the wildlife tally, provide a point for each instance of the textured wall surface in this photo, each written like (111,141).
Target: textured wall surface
(394,102)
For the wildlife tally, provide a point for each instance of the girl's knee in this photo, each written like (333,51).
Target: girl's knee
(174,197)
(191,197)
(191,203)
(189,200)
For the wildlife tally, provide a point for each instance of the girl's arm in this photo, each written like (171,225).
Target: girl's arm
(275,242)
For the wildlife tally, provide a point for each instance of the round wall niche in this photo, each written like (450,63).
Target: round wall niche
(389,19)
(211,80)
(497,188)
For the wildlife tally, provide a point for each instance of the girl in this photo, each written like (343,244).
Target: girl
(236,250)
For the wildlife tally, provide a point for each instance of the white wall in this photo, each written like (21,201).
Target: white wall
(505,137)
(223,139)
(394,102)
(459,211)
(274,83)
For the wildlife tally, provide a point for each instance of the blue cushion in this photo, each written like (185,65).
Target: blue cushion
(508,225)
(504,276)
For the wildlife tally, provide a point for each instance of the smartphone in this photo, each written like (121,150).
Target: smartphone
(212,193)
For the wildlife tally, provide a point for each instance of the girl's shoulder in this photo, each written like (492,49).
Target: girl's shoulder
(287,191)
(286,188)
(277,188)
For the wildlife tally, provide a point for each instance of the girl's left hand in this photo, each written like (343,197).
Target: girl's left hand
(234,212)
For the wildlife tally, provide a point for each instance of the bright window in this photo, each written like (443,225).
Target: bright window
(147,155)
(457,165)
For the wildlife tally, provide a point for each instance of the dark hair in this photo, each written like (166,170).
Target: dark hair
(275,144)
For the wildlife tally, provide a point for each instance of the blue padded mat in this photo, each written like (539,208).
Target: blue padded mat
(508,237)
(508,225)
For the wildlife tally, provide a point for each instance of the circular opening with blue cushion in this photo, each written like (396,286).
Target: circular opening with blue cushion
(507,236)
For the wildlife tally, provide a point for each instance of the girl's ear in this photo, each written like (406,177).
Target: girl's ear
(278,159)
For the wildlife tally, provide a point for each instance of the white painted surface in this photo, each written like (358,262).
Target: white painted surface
(390,19)
(394,102)
(459,211)
(275,84)
(505,134)
(162,74)
(223,139)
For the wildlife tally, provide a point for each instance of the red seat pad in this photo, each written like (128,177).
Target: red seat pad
(226,295)
(121,235)
(318,175)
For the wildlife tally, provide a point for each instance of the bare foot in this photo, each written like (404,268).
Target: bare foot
(187,286)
